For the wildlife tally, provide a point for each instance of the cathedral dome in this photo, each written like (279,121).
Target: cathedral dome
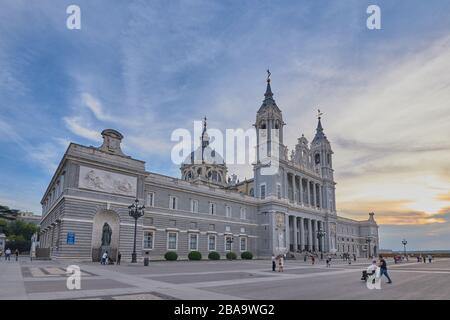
(204,155)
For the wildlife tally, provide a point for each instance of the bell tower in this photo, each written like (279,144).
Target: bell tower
(270,148)
(269,126)
(322,154)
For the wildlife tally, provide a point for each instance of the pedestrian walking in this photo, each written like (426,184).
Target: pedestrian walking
(424,259)
(8,254)
(313,259)
(16,253)
(305,257)
(328,261)
(119,257)
(383,269)
(430,258)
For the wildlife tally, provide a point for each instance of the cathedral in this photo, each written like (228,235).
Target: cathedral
(288,207)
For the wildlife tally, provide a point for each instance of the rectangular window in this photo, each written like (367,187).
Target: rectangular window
(227,229)
(193,242)
(263,191)
(212,208)
(193,225)
(242,230)
(243,244)
(212,243)
(172,238)
(243,213)
(173,203)
(228,243)
(228,211)
(150,199)
(194,206)
(148,239)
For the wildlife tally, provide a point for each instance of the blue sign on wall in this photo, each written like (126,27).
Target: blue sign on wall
(70,238)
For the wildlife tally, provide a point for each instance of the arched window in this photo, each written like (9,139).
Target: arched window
(188,176)
(263,125)
(214,176)
(317,158)
(252,192)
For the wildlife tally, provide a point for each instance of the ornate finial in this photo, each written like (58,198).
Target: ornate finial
(319,114)
(268,75)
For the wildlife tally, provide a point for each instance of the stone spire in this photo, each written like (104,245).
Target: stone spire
(269,102)
(319,130)
(204,138)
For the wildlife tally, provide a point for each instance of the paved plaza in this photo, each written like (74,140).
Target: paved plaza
(228,280)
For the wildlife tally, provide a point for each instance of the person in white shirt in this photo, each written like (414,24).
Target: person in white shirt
(373,269)
(105,258)
(8,254)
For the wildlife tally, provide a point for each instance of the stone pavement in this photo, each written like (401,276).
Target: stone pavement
(213,280)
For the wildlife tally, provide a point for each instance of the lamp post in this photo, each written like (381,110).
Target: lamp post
(404,243)
(135,211)
(369,240)
(320,235)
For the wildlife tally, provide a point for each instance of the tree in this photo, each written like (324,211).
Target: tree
(18,234)
(7,213)
(3,225)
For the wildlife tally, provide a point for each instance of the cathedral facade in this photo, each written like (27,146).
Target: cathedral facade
(85,209)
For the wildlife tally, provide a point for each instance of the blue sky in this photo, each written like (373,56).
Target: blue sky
(146,68)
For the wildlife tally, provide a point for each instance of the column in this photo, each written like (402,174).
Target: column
(285,187)
(319,195)
(309,235)
(302,233)
(295,234)
(295,190)
(314,195)
(308,198)
(286,221)
(300,189)
(321,244)
(314,234)
(293,187)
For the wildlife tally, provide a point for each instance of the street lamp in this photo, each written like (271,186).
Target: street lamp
(404,243)
(136,211)
(369,240)
(320,235)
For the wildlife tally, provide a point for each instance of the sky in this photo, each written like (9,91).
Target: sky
(146,68)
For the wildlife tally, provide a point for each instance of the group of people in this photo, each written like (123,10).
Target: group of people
(105,258)
(424,259)
(278,261)
(8,253)
(380,264)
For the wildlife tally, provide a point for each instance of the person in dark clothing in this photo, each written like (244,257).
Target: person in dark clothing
(274,263)
(119,256)
(383,269)
(16,253)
